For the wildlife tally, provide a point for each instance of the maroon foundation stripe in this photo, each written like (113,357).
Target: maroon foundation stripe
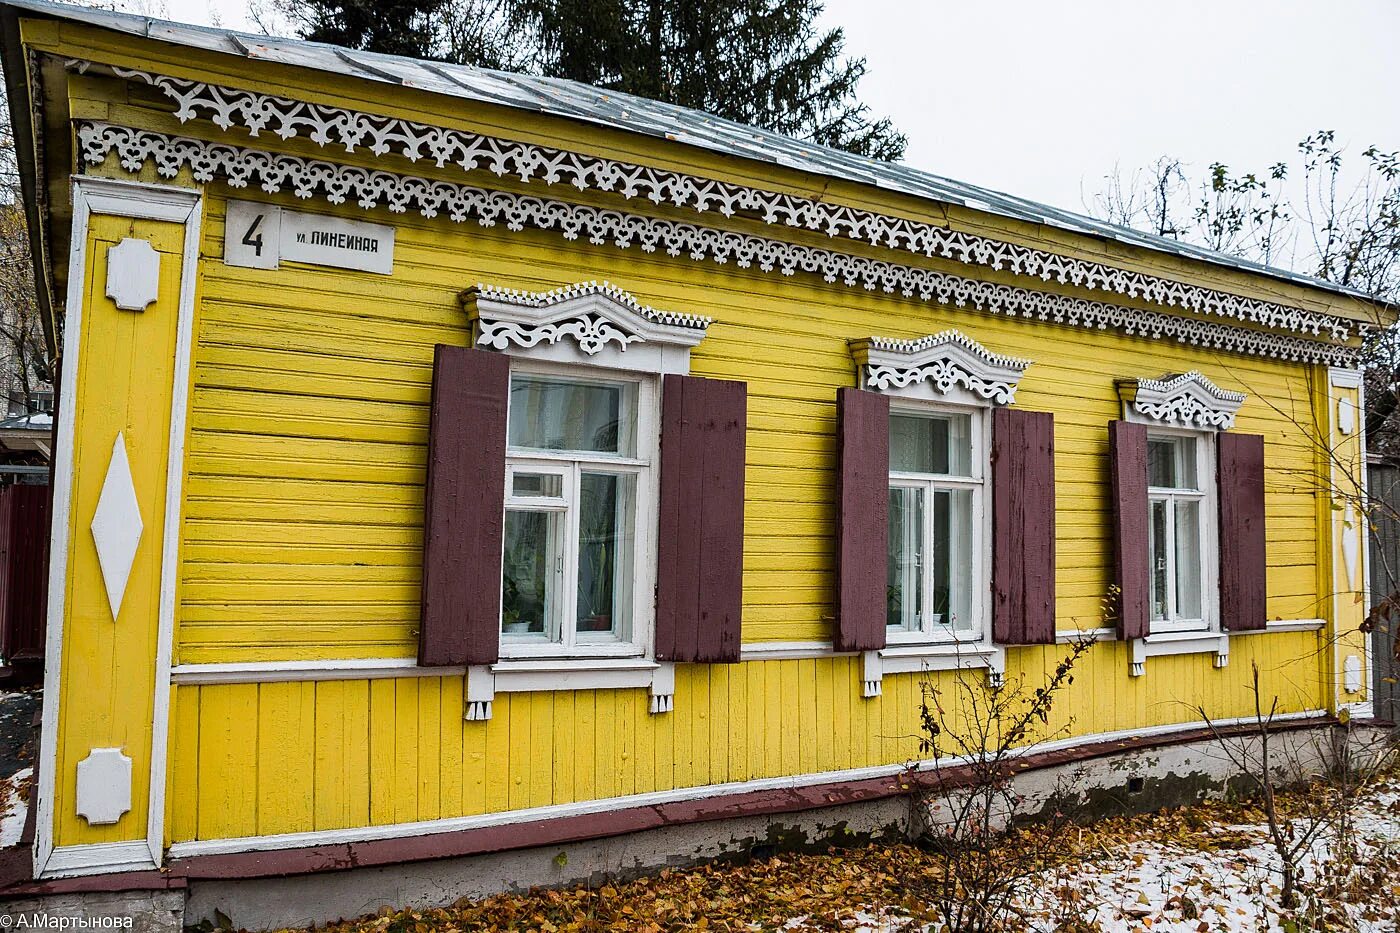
(583,827)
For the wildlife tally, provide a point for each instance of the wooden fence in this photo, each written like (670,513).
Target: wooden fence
(24,565)
(1383,484)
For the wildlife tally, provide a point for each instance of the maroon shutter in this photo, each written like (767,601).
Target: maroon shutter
(464,506)
(1127,464)
(1023,527)
(700,551)
(1240,484)
(862,518)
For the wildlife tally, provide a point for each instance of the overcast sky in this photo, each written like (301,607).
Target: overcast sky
(1043,99)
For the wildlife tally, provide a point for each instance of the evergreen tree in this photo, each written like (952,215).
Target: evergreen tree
(761,62)
(394,27)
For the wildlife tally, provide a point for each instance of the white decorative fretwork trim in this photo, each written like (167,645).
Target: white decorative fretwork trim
(1186,399)
(945,363)
(599,320)
(368,188)
(511,296)
(326,125)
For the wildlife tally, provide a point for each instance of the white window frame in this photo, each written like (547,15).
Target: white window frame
(1208,546)
(979,604)
(946,372)
(637,642)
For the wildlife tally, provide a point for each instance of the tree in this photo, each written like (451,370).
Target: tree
(761,62)
(1335,216)
(394,27)
(26,363)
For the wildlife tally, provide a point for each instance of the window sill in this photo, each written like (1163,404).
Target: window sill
(936,656)
(583,653)
(1170,643)
(527,675)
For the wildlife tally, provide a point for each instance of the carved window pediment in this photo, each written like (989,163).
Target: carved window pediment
(948,365)
(1187,400)
(589,322)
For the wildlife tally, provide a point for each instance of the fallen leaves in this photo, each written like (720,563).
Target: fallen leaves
(1198,870)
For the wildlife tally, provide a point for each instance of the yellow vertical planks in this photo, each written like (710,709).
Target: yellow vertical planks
(561,755)
(499,780)
(286,770)
(699,676)
(718,739)
(584,740)
(539,766)
(451,763)
(182,797)
(228,764)
(736,720)
(383,751)
(429,751)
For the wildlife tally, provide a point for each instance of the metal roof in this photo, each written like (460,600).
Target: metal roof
(570,99)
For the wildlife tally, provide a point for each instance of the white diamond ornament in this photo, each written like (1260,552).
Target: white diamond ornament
(116,526)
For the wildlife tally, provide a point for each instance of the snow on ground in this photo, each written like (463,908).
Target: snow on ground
(1167,887)
(14,806)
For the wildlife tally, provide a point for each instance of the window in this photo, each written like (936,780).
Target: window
(577,480)
(936,581)
(1178,522)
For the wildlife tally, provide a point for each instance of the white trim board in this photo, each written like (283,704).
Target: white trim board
(94,195)
(98,859)
(556,811)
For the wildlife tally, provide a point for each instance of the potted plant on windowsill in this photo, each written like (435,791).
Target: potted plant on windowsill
(515,610)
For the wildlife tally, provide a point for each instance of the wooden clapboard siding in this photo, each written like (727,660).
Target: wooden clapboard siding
(303,522)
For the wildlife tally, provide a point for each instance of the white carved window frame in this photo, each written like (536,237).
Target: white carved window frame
(1187,405)
(947,372)
(589,329)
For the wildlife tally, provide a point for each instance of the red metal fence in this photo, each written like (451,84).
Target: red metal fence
(24,570)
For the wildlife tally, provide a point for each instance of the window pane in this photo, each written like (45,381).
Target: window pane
(537,485)
(904,581)
(606,503)
(528,571)
(1161,462)
(1157,558)
(556,414)
(1171,462)
(940,444)
(1188,559)
(952,558)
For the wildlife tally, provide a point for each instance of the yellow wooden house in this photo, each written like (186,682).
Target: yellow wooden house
(455,469)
